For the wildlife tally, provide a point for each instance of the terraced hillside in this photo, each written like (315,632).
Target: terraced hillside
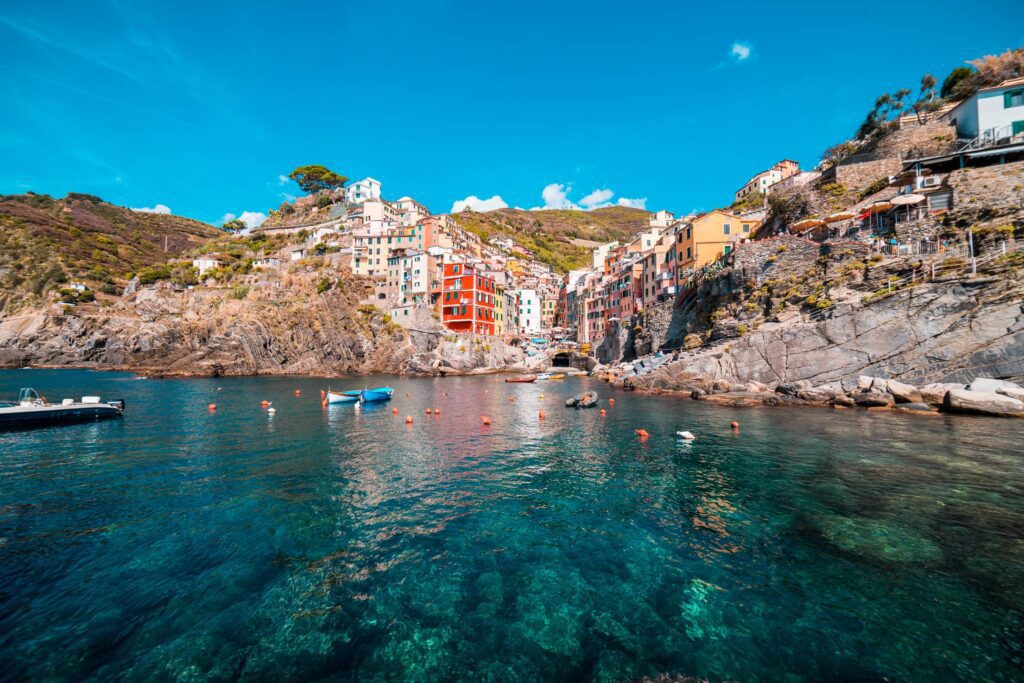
(561,238)
(45,242)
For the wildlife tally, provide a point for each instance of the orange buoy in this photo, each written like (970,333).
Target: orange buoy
(394,411)
(265,403)
(298,392)
(429,411)
(486,420)
(408,419)
(603,412)
(541,415)
(212,406)
(611,401)
(642,433)
(734,424)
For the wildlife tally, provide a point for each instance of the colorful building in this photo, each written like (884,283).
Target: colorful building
(709,237)
(467,299)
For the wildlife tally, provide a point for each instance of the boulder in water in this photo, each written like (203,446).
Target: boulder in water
(983,403)
(903,393)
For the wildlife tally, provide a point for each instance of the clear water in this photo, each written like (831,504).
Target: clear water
(342,544)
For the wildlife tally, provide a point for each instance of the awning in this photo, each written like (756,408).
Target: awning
(907,199)
(878,207)
(806,224)
(840,216)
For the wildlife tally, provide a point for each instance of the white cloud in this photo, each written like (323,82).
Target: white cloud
(282,180)
(638,203)
(159,208)
(740,51)
(253,219)
(597,199)
(474,203)
(556,196)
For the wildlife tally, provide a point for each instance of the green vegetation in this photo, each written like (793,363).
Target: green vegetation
(549,234)
(240,292)
(44,242)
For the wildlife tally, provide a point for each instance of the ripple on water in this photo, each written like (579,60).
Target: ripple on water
(341,543)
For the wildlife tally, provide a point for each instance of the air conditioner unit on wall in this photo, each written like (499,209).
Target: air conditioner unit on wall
(931,181)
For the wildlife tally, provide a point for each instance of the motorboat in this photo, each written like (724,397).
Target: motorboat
(32,410)
(522,379)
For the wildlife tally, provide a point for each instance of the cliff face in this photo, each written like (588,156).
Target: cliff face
(288,329)
(938,332)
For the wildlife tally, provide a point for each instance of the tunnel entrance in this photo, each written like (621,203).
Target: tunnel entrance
(561,360)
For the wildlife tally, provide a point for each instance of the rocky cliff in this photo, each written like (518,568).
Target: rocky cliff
(296,326)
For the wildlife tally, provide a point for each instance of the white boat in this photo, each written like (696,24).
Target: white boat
(343,396)
(33,410)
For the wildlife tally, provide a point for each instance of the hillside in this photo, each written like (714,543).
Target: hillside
(561,238)
(45,242)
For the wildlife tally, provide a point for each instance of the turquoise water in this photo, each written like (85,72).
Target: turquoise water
(342,544)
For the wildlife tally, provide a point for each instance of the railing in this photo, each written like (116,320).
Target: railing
(993,137)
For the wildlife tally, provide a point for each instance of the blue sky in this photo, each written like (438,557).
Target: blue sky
(201,107)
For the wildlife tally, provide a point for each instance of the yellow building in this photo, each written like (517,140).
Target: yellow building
(709,237)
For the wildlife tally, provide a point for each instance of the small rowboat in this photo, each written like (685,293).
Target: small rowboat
(587,400)
(343,396)
(376,395)
(560,375)
(521,380)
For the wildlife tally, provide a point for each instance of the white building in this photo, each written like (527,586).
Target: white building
(993,114)
(408,281)
(661,219)
(763,181)
(268,262)
(298,254)
(410,211)
(601,252)
(363,190)
(528,311)
(205,264)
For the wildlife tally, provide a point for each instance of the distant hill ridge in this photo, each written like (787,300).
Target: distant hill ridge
(45,242)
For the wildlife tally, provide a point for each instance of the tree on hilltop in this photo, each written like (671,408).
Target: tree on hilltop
(960,84)
(926,101)
(315,178)
(994,69)
(234,225)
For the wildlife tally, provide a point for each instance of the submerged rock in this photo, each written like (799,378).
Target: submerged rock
(873,399)
(878,540)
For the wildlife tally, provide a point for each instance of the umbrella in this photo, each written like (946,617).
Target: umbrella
(879,207)
(840,216)
(806,224)
(906,199)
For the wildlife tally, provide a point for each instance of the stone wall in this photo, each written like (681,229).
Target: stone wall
(857,176)
(992,188)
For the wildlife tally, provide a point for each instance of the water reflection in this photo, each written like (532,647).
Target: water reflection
(338,541)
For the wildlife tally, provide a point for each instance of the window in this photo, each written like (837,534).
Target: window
(727,249)
(1018,127)
(1013,98)
(726,228)
(689,252)
(746,227)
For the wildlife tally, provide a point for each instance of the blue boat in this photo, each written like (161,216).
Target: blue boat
(375,395)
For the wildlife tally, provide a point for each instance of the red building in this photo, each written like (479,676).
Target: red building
(467,299)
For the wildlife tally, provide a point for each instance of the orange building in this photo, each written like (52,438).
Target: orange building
(467,299)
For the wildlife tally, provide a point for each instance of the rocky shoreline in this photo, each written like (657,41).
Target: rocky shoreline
(983,396)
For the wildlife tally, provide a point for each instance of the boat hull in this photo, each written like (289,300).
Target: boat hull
(521,380)
(344,397)
(376,395)
(20,417)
